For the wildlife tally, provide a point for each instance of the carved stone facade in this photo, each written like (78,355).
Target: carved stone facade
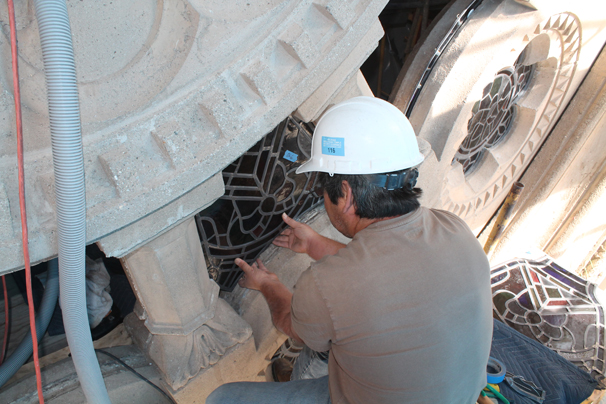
(170,95)
(171,92)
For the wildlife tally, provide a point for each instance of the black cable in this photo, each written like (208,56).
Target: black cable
(139,375)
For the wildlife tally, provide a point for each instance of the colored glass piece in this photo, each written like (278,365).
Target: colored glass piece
(553,306)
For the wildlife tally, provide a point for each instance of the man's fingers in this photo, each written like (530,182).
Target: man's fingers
(255,275)
(243,265)
(248,272)
(281,241)
(249,269)
(260,265)
(291,222)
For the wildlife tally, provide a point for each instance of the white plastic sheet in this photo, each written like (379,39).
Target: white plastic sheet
(98,300)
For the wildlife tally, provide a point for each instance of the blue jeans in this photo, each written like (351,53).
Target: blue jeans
(310,365)
(308,385)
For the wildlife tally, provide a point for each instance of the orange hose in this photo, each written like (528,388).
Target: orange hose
(6,321)
(24,234)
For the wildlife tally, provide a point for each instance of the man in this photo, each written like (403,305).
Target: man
(405,307)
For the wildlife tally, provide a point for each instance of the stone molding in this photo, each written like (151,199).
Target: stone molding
(561,209)
(536,113)
(126,240)
(171,282)
(182,357)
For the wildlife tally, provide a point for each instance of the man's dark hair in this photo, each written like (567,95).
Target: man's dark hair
(371,201)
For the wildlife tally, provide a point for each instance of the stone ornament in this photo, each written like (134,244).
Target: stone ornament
(486,109)
(554,48)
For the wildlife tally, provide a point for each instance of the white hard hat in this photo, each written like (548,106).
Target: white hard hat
(363,135)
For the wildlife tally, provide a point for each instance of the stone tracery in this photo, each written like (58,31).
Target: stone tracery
(493,114)
(564,32)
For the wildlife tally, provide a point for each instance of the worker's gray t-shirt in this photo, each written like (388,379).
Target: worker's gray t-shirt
(405,310)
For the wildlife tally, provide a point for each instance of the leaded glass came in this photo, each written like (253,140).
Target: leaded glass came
(259,187)
(555,307)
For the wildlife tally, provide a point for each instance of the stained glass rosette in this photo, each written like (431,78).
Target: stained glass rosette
(492,116)
(259,187)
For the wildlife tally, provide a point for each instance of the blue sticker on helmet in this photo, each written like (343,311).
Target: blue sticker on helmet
(333,146)
(290,156)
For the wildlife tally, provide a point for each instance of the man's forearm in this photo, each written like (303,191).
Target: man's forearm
(323,246)
(279,299)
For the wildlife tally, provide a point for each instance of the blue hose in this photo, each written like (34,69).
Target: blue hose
(45,313)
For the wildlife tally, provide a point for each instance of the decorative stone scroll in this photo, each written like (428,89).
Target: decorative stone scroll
(181,357)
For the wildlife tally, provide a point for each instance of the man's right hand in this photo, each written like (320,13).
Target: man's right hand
(298,237)
(255,275)
(301,238)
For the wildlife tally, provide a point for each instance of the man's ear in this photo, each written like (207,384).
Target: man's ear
(349,205)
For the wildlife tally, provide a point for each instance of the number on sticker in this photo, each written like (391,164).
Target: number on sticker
(332,150)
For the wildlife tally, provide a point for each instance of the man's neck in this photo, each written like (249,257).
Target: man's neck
(359,224)
(363,223)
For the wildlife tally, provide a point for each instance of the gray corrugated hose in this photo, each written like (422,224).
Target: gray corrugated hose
(68,162)
(47,307)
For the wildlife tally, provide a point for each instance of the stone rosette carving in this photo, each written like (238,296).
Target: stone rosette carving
(555,43)
(553,50)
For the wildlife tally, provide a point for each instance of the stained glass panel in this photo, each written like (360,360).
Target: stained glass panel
(259,187)
(553,306)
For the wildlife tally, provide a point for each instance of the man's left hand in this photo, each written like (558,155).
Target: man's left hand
(255,275)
